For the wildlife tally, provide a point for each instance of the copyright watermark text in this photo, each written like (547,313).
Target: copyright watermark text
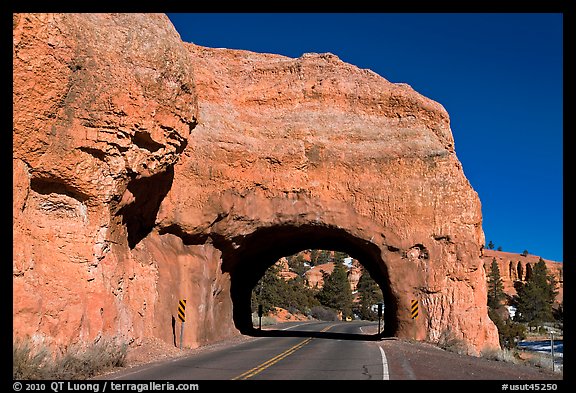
(103,386)
(530,386)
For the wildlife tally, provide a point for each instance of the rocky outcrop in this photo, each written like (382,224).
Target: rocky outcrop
(516,267)
(284,271)
(312,152)
(354,273)
(315,276)
(103,107)
(147,170)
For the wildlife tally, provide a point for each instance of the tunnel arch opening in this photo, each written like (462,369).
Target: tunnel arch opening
(323,285)
(247,260)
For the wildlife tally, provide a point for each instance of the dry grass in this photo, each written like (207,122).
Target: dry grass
(29,362)
(535,359)
(266,320)
(502,355)
(32,361)
(542,360)
(449,342)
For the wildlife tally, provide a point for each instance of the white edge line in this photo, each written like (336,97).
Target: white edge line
(385,373)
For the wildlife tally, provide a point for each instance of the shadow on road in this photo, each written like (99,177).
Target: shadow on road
(313,334)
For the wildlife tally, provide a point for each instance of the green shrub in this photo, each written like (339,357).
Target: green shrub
(324,313)
(509,332)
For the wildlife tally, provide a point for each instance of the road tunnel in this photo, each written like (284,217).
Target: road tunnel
(260,250)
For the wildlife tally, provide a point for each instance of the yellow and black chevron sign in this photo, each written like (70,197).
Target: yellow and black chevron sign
(182,310)
(414,309)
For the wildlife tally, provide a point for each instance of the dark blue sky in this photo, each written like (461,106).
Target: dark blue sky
(499,76)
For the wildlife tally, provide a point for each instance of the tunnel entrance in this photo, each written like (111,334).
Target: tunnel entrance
(322,285)
(248,262)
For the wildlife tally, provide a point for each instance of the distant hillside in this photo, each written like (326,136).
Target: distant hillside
(313,273)
(514,267)
(315,279)
(508,263)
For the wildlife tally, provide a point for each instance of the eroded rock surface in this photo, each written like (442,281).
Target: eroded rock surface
(314,142)
(147,170)
(103,107)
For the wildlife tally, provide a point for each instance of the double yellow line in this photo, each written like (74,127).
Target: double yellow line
(258,369)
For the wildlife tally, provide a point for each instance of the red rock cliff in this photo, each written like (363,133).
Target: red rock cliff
(103,107)
(148,170)
(514,267)
(317,148)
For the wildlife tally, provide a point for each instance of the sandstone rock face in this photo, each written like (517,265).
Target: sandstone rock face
(315,276)
(147,170)
(514,267)
(103,107)
(291,154)
(354,274)
(284,270)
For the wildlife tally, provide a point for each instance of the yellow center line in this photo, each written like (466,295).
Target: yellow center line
(258,369)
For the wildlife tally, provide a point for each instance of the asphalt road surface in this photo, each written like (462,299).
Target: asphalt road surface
(329,351)
(317,350)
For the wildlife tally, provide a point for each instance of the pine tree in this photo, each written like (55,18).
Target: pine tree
(340,256)
(370,294)
(323,257)
(336,292)
(269,290)
(296,263)
(495,286)
(509,332)
(536,296)
(298,296)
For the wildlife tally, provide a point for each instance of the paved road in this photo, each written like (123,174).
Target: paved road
(330,351)
(317,350)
